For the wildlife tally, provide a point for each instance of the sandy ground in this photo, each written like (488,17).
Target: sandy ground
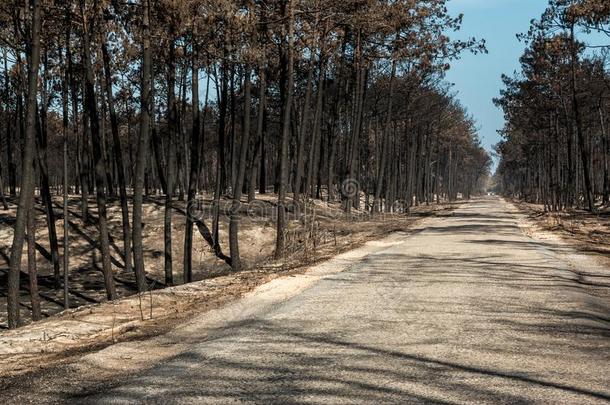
(465,309)
(86,282)
(589,232)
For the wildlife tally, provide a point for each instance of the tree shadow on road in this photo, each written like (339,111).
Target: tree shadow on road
(271,362)
(292,360)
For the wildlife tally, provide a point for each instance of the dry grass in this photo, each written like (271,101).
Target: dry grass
(583,230)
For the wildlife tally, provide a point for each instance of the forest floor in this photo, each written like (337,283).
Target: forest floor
(317,234)
(585,231)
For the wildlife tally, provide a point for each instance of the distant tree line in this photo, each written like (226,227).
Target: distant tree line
(119,101)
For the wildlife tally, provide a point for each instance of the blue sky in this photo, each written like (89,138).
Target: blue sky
(477,77)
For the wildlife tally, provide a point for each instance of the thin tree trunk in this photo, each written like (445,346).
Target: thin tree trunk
(99,166)
(303,131)
(314,146)
(262,174)
(27,178)
(4,202)
(42,136)
(605,153)
(46,196)
(32,268)
(385,143)
(118,159)
(142,153)
(283,153)
(12,168)
(65,126)
(192,184)
(173,132)
(232,139)
(579,128)
(351,188)
(260,121)
(220,165)
(239,179)
(158,155)
(202,161)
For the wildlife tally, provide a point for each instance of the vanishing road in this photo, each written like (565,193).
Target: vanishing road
(465,309)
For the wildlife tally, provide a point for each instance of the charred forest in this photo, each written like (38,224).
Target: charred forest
(556,145)
(202,108)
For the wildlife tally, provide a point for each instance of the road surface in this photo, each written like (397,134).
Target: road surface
(467,309)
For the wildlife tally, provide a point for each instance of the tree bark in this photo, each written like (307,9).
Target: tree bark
(579,127)
(46,194)
(260,125)
(118,158)
(192,184)
(142,153)
(98,159)
(32,268)
(283,152)
(12,167)
(27,178)
(605,153)
(314,146)
(303,131)
(171,152)
(65,126)
(220,152)
(385,143)
(239,179)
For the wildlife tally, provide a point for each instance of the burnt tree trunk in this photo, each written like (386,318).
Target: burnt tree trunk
(283,150)
(118,159)
(171,153)
(239,179)
(98,159)
(32,268)
(192,184)
(27,177)
(142,153)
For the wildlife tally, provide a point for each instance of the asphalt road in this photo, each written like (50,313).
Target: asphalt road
(466,310)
